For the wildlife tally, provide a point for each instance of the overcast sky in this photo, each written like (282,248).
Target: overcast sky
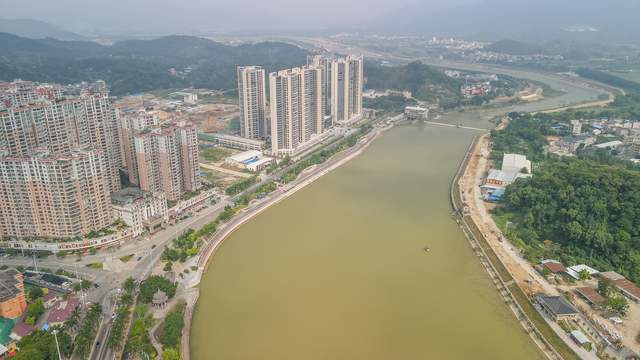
(169,16)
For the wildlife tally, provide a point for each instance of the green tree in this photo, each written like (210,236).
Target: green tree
(152,284)
(605,287)
(35,293)
(130,284)
(34,311)
(618,303)
(584,275)
(30,354)
(170,354)
(172,328)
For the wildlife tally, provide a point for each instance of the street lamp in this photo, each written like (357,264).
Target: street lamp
(55,335)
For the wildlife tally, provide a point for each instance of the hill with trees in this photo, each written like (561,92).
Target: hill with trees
(579,210)
(135,66)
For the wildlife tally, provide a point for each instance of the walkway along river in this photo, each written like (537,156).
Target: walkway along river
(338,270)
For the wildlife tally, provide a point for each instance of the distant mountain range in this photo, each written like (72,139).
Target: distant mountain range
(540,20)
(140,65)
(35,29)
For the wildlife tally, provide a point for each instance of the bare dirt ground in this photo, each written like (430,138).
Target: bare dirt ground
(523,273)
(214,117)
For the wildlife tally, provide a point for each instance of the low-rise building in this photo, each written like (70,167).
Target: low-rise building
(62,310)
(240,160)
(251,160)
(579,338)
(556,307)
(260,164)
(416,113)
(12,298)
(610,145)
(610,275)
(576,270)
(576,127)
(500,179)
(628,289)
(553,266)
(142,211)
(590,296)
(239,143)
(49,298)
(21,330)
(515,163)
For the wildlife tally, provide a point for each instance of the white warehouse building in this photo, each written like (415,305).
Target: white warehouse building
(251,160)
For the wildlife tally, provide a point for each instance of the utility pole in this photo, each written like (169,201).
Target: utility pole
(55,335)
(81,289)
(35,263)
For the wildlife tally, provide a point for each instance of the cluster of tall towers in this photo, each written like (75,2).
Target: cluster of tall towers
(61,153)
(303,101)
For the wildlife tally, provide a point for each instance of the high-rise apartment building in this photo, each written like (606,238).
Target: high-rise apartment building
(253,100)
(342,86)
(324,62)
(59,160)
(167,159)
(296,107)
(130,125)
(61,124)
(46,195)
(347,81)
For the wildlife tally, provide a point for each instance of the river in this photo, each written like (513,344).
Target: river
(338,270)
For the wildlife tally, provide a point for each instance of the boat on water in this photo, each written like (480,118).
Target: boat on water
(427,249)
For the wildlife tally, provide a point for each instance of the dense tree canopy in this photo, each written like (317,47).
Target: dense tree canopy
(591,210)
(149,286)
(135,66)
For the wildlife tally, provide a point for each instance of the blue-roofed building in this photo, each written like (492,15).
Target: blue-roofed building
(496,195)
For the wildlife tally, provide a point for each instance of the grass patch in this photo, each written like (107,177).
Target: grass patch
(96,265)
(126,258)
(502,219)
(214,154)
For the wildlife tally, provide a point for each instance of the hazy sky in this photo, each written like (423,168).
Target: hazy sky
(208,15)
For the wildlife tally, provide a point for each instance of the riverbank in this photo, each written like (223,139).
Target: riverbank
(307,177)
(518,276)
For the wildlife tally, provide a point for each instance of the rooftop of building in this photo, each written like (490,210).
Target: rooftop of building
(609,144)
(235,138)
(591,295)
(554,266)
(628,287)
(575,270)
(21,329)
(518,161)
(245,156)
(10,284)
(580,337)
(131,195)
(610,275)
(62,310)
(557,304)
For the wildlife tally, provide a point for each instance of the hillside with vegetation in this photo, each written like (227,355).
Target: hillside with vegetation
(425,82)
(135,66)
(431,84)
(584,209)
